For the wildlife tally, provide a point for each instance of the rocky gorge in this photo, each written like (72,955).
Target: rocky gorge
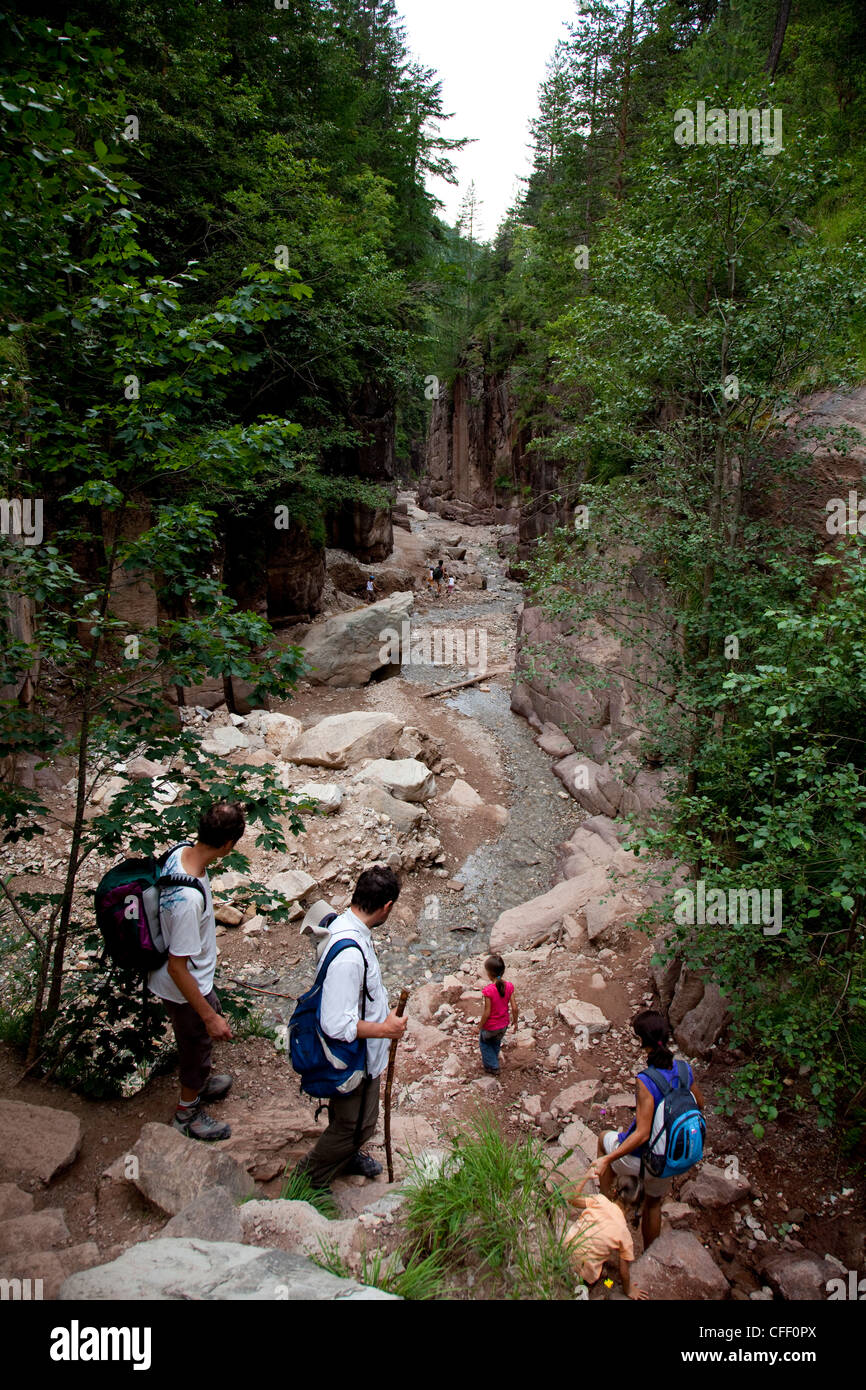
(472,796)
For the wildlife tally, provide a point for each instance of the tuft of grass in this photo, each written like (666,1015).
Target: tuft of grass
(298,1188)
(493,1216)
(417,1278)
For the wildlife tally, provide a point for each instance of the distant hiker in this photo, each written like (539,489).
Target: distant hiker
(450,585)
(498,993)
(184,982)
(626,1153)
(600,1234)
(371,588)
(346,1016)
(438,575)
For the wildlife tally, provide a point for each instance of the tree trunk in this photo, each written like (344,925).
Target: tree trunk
(775,53)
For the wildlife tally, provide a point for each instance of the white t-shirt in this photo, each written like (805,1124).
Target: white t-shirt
(341,996)
(189,928)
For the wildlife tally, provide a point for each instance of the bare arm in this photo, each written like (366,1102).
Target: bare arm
(485,1012)
(638,1136)
(391,1027)
(178,970)
(625,1280)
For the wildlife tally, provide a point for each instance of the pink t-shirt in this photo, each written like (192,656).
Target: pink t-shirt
(498,1006)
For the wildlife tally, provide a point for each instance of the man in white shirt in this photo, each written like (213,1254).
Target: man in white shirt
(184,982)
(352,1118)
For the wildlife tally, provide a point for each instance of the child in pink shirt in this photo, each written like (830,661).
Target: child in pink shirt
(498,994)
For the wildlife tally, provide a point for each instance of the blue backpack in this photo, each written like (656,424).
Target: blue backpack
(676,1141)
(326,1066)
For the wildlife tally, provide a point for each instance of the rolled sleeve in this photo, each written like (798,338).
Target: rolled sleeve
(341,996)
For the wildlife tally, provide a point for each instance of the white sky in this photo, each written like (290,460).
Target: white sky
(491,56)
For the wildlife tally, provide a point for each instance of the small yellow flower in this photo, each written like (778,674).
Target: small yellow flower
(608,1283)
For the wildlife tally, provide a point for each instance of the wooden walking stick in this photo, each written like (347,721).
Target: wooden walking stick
(404,995)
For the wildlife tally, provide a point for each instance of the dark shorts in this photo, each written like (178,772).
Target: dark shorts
(194,1043)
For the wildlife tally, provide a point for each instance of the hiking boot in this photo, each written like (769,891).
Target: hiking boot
(203,1126)
(217,1087)
(364,1165)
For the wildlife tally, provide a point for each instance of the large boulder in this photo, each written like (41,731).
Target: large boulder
(46,1270)
(530,921)
(197,1270)
(280,732)
(404,815)
(342,739)
(173,1170)
(606,913)
(406,779)
(326,796)
(676,1266)
(212,1215)
(583,1017)
(583,779)
(711,1187)
(36,1141)
(38,1230)
(297,1227)
(348,648)
(272,1134)
(294,884)
(798,1275)
(14,1201)
(463,795)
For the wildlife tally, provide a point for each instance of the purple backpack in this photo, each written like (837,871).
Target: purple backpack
(127,911)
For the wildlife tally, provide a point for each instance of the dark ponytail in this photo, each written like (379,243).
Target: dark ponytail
(495,966)
(653,1031)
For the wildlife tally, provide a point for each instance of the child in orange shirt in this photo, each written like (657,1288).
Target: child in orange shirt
(600,1233)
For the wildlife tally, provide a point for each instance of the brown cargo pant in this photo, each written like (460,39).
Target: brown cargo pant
(341,1140)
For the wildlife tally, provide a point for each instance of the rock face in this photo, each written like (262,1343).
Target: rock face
(478,458)
(342,739)
(406,779)
(347,649)
(196,1270)
(174,1170)
(520,926)
(677,1266)
(701,1027)
(36,1141)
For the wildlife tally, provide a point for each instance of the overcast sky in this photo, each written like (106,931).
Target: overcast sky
(491,56)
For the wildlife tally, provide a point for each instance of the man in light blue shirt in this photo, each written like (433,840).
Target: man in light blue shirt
(352,1118)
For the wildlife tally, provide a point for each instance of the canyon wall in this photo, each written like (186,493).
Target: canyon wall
(479,465)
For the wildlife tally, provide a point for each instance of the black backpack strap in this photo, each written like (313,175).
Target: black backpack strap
(662,1082)
(180,881)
